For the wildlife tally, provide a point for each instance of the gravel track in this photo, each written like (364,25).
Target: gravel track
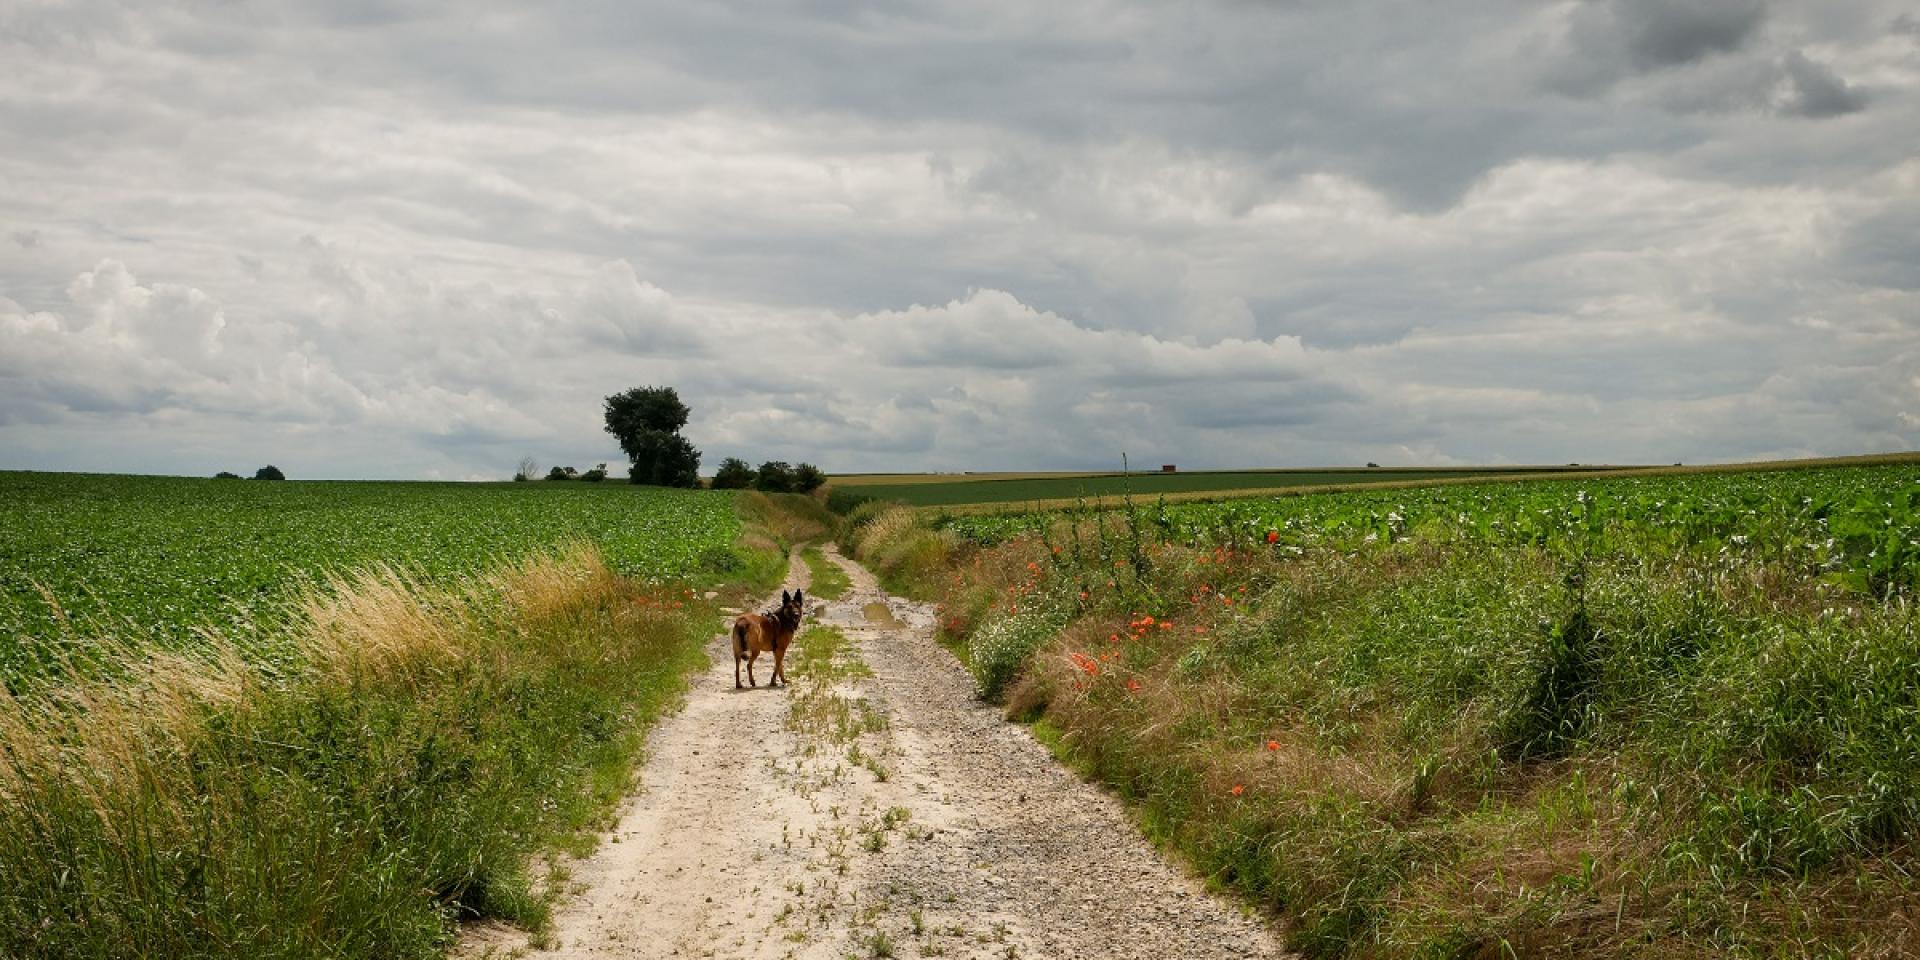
(917,823)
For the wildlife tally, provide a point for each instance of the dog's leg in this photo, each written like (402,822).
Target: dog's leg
(736,669)
(751,657)
(780,664)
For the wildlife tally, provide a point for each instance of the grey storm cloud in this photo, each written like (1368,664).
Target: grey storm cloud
(1816,91)
(424,239)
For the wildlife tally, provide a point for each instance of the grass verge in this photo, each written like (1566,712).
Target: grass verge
(388,779)
(1418,745)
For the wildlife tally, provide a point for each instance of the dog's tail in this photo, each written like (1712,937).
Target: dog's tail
(739,638)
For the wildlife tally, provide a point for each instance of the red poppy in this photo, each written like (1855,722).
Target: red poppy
(1238,789)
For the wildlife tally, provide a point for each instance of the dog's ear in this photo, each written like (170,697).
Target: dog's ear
(800,598)
(784,599)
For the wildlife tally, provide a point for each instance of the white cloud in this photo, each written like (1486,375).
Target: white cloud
(947,237)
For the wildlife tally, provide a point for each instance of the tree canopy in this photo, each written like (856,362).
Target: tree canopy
(647,422)
(641,409)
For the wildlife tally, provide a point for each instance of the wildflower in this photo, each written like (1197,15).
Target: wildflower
(1273,744)
(1238,789)
(1273,536)
(1133,686)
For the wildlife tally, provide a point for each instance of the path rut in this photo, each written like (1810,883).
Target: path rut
(872,812)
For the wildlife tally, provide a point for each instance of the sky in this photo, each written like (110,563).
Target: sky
(423,240)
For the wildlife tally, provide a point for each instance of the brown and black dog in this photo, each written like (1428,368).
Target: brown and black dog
(757,633)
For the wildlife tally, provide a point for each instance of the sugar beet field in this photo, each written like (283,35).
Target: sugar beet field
(1857,527)
(152,560)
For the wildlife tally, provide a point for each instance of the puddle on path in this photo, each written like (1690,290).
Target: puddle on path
(880,615)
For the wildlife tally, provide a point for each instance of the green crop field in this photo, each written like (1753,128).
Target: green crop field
(1858,525)
(935,490)
(153,559)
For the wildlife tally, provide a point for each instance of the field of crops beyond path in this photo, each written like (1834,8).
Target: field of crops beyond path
(874,808)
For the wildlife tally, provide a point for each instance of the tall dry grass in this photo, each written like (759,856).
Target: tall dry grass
(387,771)
(905,551)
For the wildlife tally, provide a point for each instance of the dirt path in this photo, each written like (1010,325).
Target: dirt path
(874,808)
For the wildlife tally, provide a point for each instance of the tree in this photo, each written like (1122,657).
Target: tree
(775,476)
(734,474)
(269,472)
(647,422)
(595,475)
(226,475)
(665,460)
(529,469)
(641,409)
(562,473)
(807,478)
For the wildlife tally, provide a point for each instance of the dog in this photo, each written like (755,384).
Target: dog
(757,633)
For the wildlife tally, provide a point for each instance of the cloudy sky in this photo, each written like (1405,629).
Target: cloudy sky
(424,239)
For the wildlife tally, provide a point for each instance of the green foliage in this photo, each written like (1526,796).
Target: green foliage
(643,409)
(777,476)
(807,478)
(562,473)
(734,474)
(647,421)
(663,460)
(843,500)
(269,472)
(596,475)
(998,651)
(1859,526)
(774,476)
(152,560)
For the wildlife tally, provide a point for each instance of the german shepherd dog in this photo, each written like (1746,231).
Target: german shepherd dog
(755,633)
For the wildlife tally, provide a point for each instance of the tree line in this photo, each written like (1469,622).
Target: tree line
(647,422)
(774,476)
